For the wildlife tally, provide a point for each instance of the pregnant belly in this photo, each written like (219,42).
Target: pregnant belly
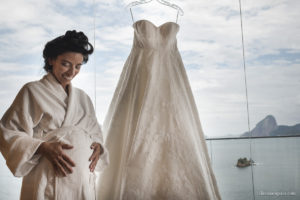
(81,151)
(80,183)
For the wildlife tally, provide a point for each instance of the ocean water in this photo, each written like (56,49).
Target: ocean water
(274,176)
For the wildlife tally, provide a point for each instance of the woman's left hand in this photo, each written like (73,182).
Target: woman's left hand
(98,150)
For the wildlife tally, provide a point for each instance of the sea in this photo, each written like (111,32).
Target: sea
(275,173)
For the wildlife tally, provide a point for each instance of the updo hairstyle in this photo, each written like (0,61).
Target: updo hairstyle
(72,41)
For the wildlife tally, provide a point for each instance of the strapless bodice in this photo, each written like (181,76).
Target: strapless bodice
(149,36)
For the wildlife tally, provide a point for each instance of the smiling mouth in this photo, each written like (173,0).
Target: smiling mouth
(68,78)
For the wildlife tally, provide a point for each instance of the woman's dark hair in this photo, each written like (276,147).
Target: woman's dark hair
(72,41)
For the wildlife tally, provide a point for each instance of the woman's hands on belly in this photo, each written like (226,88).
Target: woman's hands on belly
(59,154)
(54,152)
(98,150)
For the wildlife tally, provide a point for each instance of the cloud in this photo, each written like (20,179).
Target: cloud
(115,36)
(27,26)
(9,87)
(220,96)
(209,41)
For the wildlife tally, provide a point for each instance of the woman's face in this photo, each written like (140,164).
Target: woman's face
(66,66)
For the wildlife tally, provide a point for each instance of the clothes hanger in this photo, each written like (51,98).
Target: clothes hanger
(164,2)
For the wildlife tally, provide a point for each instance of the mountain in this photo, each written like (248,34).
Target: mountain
(286,130)
(268,127)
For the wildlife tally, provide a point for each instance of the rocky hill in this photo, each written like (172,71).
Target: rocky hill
(268,127)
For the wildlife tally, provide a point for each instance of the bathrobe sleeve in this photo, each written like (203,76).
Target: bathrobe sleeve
(16,133)
(97,137)
(96,134)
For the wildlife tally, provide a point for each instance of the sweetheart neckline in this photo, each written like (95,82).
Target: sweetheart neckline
(158,27)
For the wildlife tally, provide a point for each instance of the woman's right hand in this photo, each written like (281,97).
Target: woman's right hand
(61,162)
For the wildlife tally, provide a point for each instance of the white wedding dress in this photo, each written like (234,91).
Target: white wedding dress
(154,136)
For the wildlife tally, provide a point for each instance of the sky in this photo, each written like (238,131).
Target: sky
(209,41)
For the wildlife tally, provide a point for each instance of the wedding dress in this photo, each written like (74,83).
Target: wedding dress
(154,136)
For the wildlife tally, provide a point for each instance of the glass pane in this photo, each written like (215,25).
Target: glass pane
(271,30)
(114,35)
(273,64)
(276,174)
(234,183)
(210,43)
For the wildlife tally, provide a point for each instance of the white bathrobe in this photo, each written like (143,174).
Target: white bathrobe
(42,111)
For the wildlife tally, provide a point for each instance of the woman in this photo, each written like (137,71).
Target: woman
(50,135)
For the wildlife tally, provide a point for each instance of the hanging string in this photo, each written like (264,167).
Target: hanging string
(246,89)
(131,15)
(211,153)
(94,58)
